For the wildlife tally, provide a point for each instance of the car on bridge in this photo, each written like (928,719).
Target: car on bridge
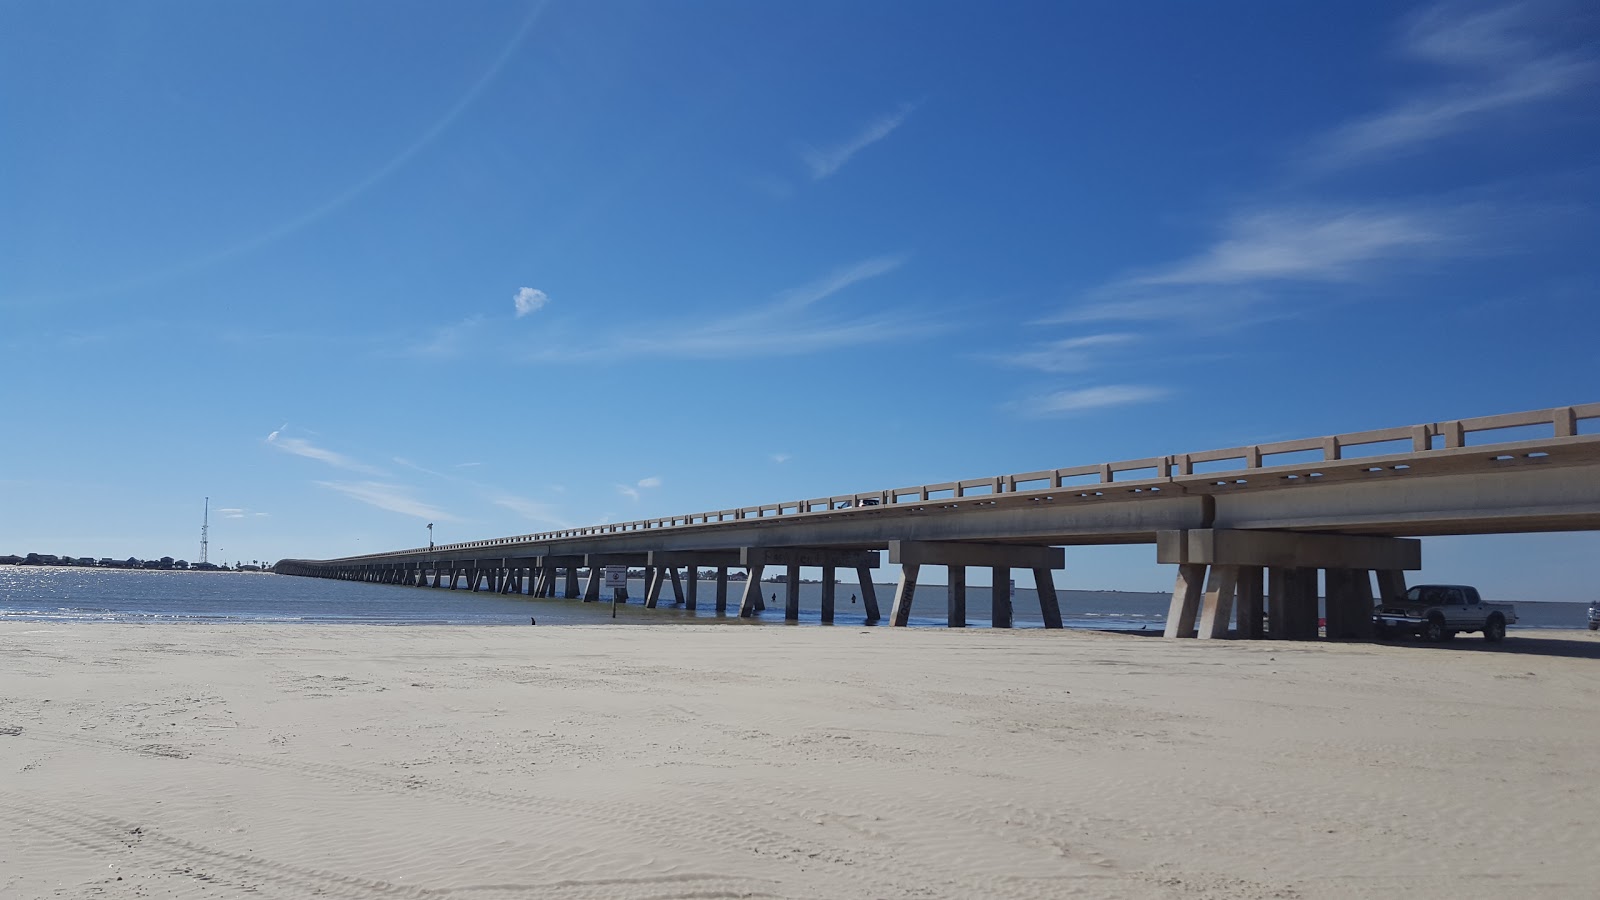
(1438,612)
(1594,616)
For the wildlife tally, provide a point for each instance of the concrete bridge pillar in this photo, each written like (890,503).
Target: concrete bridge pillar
(956,596)
(654,576)
(999,558)
(1251,598)
(722,589)
(829,577)
(692,601)
(570,591)
(791,593)
(750,603)
(869,595)
(792,558)
(1235,559)
(1000,613)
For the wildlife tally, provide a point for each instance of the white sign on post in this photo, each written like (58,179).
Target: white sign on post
(617,577)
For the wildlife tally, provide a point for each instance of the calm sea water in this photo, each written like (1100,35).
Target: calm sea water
(38,593)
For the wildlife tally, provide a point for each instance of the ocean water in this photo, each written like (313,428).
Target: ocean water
(43,593)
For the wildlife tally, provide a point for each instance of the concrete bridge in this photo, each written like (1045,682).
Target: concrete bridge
(1248,528)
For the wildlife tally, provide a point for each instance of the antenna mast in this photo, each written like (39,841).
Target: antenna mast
(205,526)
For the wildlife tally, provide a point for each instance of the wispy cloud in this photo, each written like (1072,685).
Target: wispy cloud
(232,512)
(532,510)
(529,300)
(629,491)
(789,324)
(392,497)
(1076,354)
(447,342)
(1263,251)
(302,447)
(823,162)
(1070,402)
(1497,59)
(781,458)
(654,481)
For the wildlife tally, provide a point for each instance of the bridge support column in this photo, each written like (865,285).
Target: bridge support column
(1250,602)
(1185,605)
(904,593)
(791,593)
(869,595)
(591,590)
(1000,597)
(1391,584)
(1001,559)
(1336,609)
(677,585)
(956,600)
(793,558)
(652,590)
(1218,606)
(751,603)
(1049,607)
(1300,605)
(722,589)
(829,577)
(1292,560)
(570,588)
(692,601)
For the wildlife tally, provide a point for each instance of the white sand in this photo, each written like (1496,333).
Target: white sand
(707,761)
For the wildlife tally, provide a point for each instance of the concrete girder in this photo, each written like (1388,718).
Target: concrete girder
(693,558)
(950,553)
(807,556)
(1287,549)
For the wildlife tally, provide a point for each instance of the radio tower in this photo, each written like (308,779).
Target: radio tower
(205,526)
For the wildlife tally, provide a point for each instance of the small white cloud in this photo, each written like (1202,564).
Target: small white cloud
(1063,403)
(654,481)
(632,493)
(781,458)
(529,300)
(468,465)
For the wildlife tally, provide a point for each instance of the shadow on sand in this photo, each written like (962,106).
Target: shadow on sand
(1574,644)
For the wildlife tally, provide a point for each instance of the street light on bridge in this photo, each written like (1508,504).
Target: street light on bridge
(430,535)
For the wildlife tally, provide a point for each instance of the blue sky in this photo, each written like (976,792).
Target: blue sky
(349,268)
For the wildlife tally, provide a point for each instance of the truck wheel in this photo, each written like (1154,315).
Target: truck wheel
(1494,630)
(1433,630)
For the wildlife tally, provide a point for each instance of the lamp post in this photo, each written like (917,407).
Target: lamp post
(430,535)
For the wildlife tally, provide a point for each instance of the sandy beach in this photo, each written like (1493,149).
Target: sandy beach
(706,761)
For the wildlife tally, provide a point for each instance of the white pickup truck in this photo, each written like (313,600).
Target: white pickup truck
(1438,611)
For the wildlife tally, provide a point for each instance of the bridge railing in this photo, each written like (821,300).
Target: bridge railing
(1420,439)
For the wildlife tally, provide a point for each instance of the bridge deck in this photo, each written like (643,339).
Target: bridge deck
(1439,478)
